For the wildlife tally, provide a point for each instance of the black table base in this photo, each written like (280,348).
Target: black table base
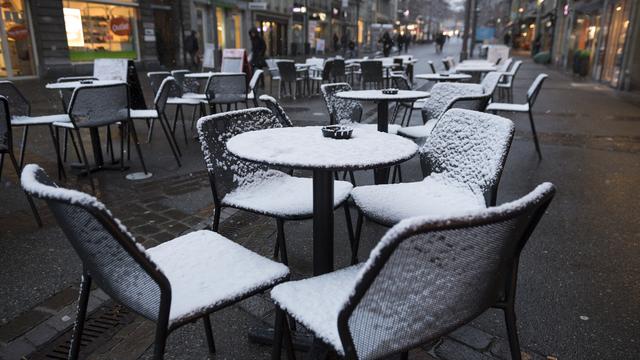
(322,222)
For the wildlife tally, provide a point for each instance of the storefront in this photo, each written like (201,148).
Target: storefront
(101,29)
(274,32)
(17,47)
(610,61)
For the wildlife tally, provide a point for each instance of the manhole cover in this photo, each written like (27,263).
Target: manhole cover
(99,328)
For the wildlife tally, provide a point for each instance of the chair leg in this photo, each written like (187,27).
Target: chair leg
(137,144)
(356,240)
(535,135)
(512,330)
(85,161)
(216,219)
(279,324)
(209,334)
(160,342)
(166,134)
(163,118)
(23,146)
(1,163)
(76,339)
(32,205)
(347,215)
(281,241)
(56,145)
(150,133)
(73,142)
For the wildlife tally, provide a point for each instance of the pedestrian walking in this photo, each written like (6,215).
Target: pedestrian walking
(387,44)
(344,42)
(258,49)
(440,40)
(407,42)
(191,47)
(399,42)
(336,43)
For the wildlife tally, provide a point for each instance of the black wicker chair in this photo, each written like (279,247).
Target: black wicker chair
(462,161)
(320,77)
(252,95)
(175,283)
(372,73)
(20,110)
(156,78)
(338,71)
(289,77)
(244,185)
(272,104)
(6,148)
(432,67)
(427,277)
(532,95)
(226,89)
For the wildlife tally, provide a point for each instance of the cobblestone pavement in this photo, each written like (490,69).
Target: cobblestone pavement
(578,275)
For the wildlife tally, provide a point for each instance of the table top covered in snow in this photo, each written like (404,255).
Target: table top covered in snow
(75,84)
(440,77)
(306,148)
(377,95)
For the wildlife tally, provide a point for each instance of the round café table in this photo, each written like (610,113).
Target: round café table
(70,85)
(381,175)
(208,74)
(442,77)
(306,148)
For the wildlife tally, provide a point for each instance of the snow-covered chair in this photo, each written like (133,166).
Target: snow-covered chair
(190,87)
(167,87)
(274,75)
(156,78)
(226,89)
(444,96)
(173,284)
(505,88)
(372,73)
(532,95)
(272,104)
(432,67)
(402,83)
(20,111)
(462,161)
(253,83)
(426,277)
(248,186)
(290,76)
(94,106)
(6,148)
(320,75)
(490,82)
(345,111)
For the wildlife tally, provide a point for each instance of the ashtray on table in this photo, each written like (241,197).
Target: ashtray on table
(390,91)
(86,81)
(337,131)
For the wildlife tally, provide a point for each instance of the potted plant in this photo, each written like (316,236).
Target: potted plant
(581,59)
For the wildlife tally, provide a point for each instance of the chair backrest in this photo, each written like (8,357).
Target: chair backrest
(340,110)
(65,94)
(431,275)
(505,65)
(443,95)
(371,71)
(401,82)
(156,78)
(18,103)
(432,67)
(490,82)
(226,171)
(187,85)
(534,89)
(6,139)
(327,70)
(315,61)
(469,147)
(511,74)
(338,68)
(231,86)
(168,88)
(275,107)
(255,78)
(99,105)
(287,69)
(109,253)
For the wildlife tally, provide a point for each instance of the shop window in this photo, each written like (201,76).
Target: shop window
(221,27)
(98,30)
(16,48)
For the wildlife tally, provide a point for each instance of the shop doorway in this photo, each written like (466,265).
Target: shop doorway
(616,37)
(16,44)
(167,42)
(275,35)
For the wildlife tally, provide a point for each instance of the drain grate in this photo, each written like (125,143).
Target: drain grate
(99,328)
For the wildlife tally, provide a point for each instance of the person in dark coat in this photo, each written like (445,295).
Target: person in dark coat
(258,49)
(191,47)
(336,43)
(407,41)
(399,42)
(387,44)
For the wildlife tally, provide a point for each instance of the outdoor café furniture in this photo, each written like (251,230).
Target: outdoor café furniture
(402,83)
(372,73)
(72,85)
(226,89)
(306,148)
(173,284)
(445,96)
(462,161)
(189,85)
(338,70)
(255,187)
(20,111)
(490,82)
(432,67)
(321,76)
(163,94)
(505,87)
(272,104)
(94,106)
(444,76)
(289,77)
(476,70)
(6,148)
(274,74)
(532,95)
(253,83)
(156,78)
(425,278)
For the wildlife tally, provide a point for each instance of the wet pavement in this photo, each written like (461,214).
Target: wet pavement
(578,294)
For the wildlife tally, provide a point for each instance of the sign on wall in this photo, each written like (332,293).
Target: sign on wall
(120,26)
(73,27)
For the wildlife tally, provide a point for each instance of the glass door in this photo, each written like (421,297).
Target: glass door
(18,58)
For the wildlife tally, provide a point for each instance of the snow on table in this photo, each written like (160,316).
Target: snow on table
(377,95)
(443,77)
(306,148)
(76,84)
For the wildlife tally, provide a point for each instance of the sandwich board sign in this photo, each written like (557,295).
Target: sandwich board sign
(121,70)
(235,61)
(208,58)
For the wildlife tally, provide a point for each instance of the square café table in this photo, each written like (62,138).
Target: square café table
(306,148)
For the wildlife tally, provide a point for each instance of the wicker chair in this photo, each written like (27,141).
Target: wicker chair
(290,77)
(372,73)
(161,283)
(226,89)
(272,104)
(244,185)
(532,95)
(156,78)
(6,148)
(426,277)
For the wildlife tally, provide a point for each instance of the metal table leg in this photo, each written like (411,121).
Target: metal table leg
(381,175)
(322,222)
